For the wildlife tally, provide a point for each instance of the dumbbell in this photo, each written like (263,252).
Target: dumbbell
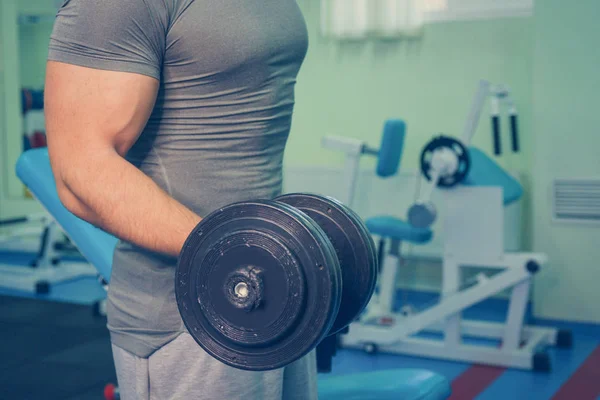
(259,284)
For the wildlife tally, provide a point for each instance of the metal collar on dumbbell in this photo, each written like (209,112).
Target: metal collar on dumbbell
(244,288)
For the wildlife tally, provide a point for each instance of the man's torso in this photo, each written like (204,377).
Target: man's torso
(216,136)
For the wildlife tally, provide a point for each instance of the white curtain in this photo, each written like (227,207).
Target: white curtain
(358,19)
(345,19)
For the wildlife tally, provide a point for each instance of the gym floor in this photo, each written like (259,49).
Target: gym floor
(54,348)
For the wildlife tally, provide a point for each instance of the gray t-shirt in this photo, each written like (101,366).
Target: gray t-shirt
(217,134)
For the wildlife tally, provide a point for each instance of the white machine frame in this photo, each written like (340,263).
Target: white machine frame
(473,231)
(48,268)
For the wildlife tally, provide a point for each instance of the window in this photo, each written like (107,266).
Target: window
(359,19)
(455,10)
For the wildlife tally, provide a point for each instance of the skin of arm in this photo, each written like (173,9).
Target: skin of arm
(93,117)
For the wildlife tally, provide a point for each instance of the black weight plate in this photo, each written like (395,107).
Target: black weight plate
(353,245)
(290,276)
(373,257)
(462,154)
(369,239)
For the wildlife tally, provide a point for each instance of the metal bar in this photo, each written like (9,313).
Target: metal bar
(494,330)
(352,164)
(447,307)
(370,151)
(475,112)
(516,315)
(438,350)
(387,281)
(12,221)
(451,287)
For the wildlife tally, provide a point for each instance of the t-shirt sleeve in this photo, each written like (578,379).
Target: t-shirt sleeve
(115,35)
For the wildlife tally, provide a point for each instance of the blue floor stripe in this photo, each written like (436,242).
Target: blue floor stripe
(517,384)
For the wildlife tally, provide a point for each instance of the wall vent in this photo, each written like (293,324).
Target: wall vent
(576,200)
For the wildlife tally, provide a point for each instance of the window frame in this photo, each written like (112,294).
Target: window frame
(468,10)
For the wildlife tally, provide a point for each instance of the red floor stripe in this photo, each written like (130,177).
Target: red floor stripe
(474,381)
(584,384)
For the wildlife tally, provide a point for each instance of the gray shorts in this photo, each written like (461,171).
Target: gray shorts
(182,370)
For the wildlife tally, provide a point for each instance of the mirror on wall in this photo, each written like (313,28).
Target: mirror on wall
(24,35)
(34,34)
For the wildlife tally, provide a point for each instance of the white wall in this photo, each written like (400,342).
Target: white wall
(566,84)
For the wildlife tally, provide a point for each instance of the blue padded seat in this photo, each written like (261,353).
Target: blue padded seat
(390,150)
(390,153)
(97,246)
(397,229)
(485,172)
(404,384)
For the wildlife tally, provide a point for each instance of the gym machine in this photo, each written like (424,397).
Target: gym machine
(474,190)
(49,266)
(55,259)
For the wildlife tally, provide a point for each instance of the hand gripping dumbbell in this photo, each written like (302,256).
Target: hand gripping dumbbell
(259,284)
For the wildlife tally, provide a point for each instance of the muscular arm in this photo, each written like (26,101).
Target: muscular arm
(93,117)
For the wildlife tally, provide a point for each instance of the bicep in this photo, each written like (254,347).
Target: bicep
(105,60)
(90,110)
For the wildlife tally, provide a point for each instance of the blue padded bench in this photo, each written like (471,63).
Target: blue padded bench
(97,246)
(397,229)
(393,384)
(485,172)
